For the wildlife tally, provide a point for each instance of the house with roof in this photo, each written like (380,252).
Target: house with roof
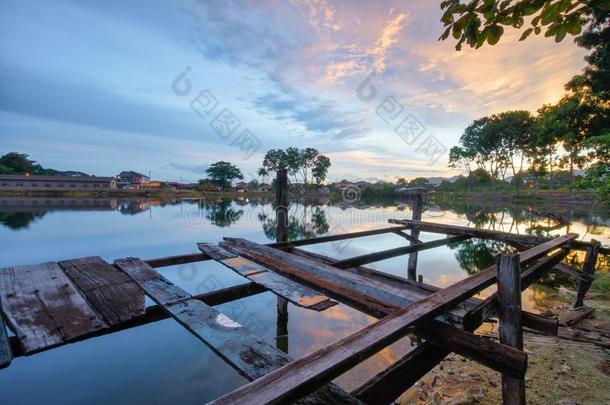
(131,178)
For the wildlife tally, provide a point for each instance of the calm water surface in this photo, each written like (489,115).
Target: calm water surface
(161,362)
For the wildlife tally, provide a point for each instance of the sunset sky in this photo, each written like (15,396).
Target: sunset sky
(88,85)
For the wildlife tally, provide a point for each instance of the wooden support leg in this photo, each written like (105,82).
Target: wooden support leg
(417,212)
(281,216)
(511,328)
(588,268)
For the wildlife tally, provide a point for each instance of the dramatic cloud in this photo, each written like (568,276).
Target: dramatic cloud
(288,70)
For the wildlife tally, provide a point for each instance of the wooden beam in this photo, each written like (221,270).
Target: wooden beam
(506,237)
(43,307)
(470,346)
(6,354)
(294,292)
(588,268)
(488,307)
(175,260)
(303,375)
(399,251)
(248,354)
(511,327)
(569,270)
(108,290)
(333,238)
(407,236)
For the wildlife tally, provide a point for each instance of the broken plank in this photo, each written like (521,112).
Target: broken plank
(179,259)
(399,251)
(294,292)
(248,354)
(6,354)
(569,270)
(111,292)
(572,316)
(333,238)
(154,284)
(304,374)
(43,307)
(454,339)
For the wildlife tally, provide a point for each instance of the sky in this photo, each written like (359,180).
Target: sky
(169,87)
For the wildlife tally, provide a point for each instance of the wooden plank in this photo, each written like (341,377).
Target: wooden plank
(488,307)
(399,251)
(154,284)
(511,327)
(588,268)
(333,238)
(43,307)
(6,353)
(178,259)
(155,313)
(469,345)
(407,237)
(110,291)
(248,354)
(569,270)
(301,376)
(572,316)
(294,292)
(509,238)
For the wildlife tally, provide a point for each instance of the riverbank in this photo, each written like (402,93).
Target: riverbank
(560,370)
(162,194)
(556,197)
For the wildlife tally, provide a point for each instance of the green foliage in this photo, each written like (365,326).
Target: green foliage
(476,22)
(223,173)
(300,163)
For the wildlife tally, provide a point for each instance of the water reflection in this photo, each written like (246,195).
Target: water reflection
(113,228)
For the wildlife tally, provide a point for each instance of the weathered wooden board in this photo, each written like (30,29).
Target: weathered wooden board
(154,284)
(294,292)
(248,354)
(300,376)
(6,354)
(111,292)
(43,307)
(334,238)
(493,355)
(569,270)
(399,251)
(510,238)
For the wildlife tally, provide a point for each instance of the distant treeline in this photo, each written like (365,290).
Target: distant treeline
(19,163)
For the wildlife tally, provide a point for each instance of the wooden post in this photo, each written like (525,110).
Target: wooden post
(509,314)
(588,268)
(417,212)
(281,216)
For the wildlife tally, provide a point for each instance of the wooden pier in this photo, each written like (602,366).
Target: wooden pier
(53,304)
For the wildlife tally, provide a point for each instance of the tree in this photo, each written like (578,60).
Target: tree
(300,163)
(320,168)
(263,173)
(16,163)
(476,22)
(517,131)
(223,173)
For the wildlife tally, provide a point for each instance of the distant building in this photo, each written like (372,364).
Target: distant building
(242,187)
(132,178)
(19,181)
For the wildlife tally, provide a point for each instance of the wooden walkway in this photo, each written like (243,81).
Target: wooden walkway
(53,304)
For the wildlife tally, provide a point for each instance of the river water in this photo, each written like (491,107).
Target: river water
(163,363)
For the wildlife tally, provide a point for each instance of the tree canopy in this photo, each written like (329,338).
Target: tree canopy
(223,173)
(302,164)
(476,22)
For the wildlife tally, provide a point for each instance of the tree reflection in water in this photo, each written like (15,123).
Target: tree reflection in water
(304,221)
(19,220)
(221,212)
